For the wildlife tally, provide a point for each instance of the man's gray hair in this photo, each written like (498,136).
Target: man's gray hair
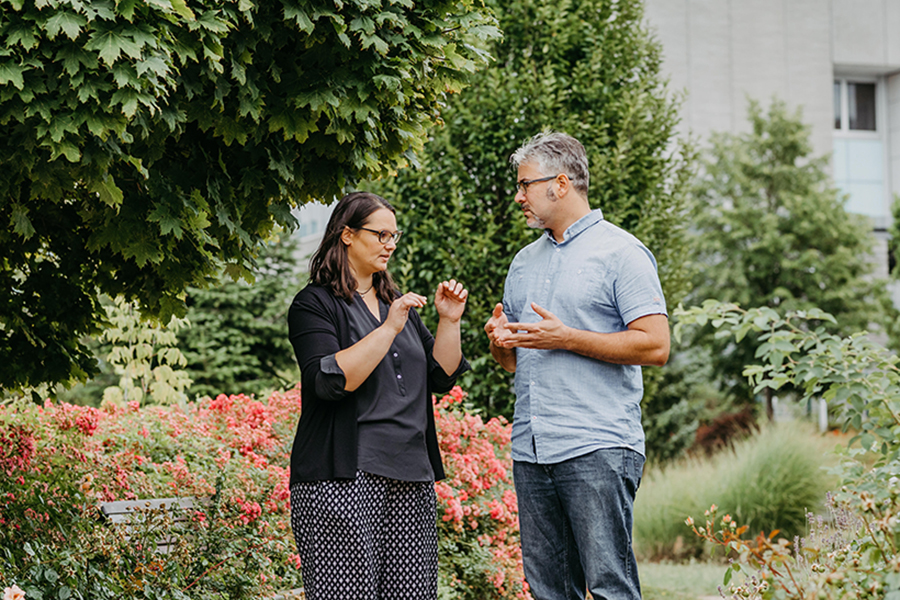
(555,153)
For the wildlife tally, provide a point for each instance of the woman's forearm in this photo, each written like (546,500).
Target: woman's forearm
(447,345)
(359,360)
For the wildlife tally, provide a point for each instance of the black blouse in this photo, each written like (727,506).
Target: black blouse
(376,425)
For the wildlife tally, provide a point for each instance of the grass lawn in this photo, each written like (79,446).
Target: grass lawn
(690,581)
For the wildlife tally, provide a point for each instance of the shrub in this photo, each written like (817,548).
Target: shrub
(60,461)
(722,431)
(478,525)
(227,449)
(768,481)
(857,554)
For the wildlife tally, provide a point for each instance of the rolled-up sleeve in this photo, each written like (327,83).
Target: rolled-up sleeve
(330,380)
(313,334)
(441,381)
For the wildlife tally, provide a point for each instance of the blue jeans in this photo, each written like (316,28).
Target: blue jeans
(575,520)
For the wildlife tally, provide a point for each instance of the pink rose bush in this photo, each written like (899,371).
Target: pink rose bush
(478,524)
(232,453)
(62,461)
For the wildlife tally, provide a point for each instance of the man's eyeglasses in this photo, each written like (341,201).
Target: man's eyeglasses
(384,236)
(522,184)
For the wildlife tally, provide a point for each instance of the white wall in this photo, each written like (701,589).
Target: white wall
(866,35)
(724,51)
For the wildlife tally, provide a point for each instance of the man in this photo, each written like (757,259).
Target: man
(582,310)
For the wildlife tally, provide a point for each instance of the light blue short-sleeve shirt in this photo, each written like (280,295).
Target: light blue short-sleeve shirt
(599,278)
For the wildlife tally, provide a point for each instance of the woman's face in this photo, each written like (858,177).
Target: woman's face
(366,254)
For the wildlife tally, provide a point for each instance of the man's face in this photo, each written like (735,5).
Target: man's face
(538,201)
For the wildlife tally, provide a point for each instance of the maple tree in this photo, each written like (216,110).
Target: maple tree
(143,144)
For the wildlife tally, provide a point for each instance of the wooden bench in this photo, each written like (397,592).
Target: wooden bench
(125,512)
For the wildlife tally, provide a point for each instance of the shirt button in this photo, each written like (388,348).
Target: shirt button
(548,281)
(557,249)
(534,418)
(399,376)
(395,355)
(532,383)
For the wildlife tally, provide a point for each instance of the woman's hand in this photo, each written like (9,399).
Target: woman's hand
(399,311)
(450,300)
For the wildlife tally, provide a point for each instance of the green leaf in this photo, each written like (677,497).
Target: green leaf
(155,64)
(181,8)
(67,149)
(167,223)
(373,40)
(22,35)
(68,22)
(20,221)
(143,250)
(109,192)
(110,45)
(128,99)
(364,24)
(12,73)
(296,14)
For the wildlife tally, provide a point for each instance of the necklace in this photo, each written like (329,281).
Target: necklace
(366,291)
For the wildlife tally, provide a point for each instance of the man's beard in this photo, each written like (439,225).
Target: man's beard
(536,222)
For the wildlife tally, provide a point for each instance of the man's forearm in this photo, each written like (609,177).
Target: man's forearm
(505,356)
(630,347)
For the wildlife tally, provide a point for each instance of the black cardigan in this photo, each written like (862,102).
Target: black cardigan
(325,446)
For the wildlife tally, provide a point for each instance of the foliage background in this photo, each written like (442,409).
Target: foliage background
(587,68)
(141,143)
(771,230)
(237,337)
(768,481)
(852,551)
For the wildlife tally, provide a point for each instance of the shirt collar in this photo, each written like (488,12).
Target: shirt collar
(582,224)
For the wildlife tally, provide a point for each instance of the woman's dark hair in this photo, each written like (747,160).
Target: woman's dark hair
(330,267)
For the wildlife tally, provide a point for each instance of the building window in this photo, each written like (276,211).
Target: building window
(859,159)
(854,105)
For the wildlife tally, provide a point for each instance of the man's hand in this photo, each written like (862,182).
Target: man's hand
(495,328)
(547,334)
(497,333)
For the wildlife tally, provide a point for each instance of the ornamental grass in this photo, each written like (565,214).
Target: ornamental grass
(768,481)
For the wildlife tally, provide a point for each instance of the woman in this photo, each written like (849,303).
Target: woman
(365,457)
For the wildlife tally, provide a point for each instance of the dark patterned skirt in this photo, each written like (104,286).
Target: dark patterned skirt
(369,538)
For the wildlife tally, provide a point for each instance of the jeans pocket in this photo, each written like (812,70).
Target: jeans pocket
(634,470)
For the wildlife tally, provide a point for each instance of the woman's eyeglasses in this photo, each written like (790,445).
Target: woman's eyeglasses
(384,235)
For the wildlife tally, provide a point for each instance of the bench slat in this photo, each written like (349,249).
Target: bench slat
(124,511)
(127,507)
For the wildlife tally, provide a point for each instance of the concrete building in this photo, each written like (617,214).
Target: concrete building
(837,59)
